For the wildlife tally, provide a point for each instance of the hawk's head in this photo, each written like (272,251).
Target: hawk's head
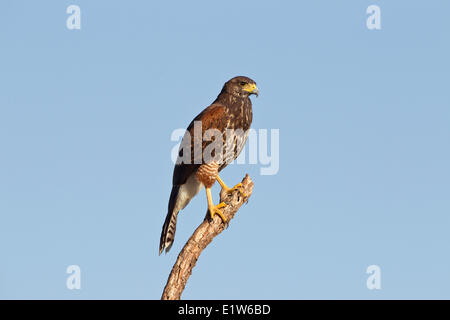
(241,87)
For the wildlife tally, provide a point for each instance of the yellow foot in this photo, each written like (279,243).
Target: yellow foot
(213,210)
(239,187)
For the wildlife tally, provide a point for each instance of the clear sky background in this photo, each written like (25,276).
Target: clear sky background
(364,118)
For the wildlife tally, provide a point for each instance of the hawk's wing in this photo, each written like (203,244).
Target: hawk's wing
(184,189)
(213,117)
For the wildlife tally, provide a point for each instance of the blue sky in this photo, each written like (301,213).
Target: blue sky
(85,123)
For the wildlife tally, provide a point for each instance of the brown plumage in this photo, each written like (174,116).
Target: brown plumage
(230,116)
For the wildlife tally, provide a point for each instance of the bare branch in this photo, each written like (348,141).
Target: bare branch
(201,238)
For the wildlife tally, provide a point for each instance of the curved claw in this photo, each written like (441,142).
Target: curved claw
(238,187)
(213,210)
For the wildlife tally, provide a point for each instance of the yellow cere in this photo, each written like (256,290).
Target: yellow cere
(250,87)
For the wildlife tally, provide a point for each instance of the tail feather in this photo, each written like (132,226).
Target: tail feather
(170,224)
(180,197)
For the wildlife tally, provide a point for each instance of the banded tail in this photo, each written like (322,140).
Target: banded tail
(180,197)
(170,224)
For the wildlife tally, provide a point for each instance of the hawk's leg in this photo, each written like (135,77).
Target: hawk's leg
(228,189)
(213,210)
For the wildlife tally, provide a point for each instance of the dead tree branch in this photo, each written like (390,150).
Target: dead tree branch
(201,238)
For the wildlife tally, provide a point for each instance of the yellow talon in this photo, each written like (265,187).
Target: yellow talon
(239,187)
(215,210)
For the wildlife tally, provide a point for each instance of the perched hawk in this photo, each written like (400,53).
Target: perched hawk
(224,123)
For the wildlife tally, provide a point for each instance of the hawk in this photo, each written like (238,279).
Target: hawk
(229,118)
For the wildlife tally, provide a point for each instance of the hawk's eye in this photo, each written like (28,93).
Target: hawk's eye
(242,83)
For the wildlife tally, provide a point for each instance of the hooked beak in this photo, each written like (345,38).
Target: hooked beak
(255,91)
(252,89)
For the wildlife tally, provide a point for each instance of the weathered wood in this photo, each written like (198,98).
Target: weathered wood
(202,237)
